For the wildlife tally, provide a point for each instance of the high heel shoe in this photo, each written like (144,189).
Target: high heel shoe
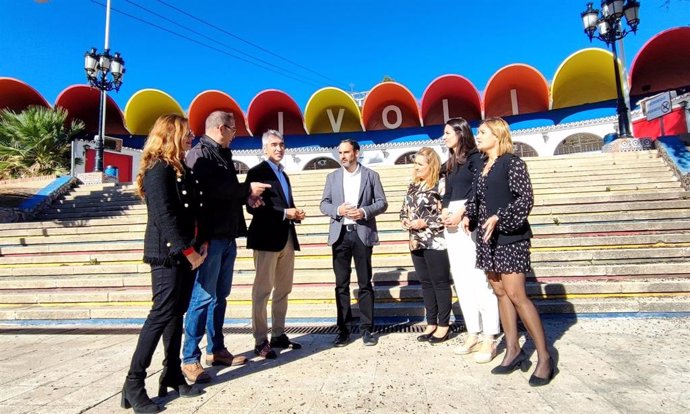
(535,381)
(178,384)
(520,361)
(184,390)
(433,340)
(134,396)
(425,337)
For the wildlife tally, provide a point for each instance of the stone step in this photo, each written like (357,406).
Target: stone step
(322,309)
(390,267)
(318,243)
(320,252)
(325,292)
(313,210)
(540,184)
(390,231)
(602,198)
(609,213)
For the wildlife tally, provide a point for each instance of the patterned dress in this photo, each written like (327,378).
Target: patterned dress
(424,203)
(506,258)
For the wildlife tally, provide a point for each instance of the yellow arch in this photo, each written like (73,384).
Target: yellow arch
(584,77)
(145,106)
(316,113)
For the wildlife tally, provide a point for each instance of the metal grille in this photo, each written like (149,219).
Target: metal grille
(403,327)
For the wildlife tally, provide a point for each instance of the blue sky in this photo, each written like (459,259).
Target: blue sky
(350,45)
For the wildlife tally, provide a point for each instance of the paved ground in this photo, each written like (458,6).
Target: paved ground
(611,365)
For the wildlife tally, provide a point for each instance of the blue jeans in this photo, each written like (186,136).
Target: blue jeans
(206,312)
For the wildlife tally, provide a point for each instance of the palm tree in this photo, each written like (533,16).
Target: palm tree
(36,141)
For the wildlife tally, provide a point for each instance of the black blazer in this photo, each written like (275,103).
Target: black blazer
(500,195)
(222,214)
(268,230)
(172,206)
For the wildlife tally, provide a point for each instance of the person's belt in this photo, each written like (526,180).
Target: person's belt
(350,227)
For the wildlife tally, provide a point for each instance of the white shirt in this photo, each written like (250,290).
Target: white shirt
(351,183)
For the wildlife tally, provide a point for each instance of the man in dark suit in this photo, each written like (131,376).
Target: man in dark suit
(274,240)
(352,197)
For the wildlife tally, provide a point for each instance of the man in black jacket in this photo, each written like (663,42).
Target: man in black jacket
(274,240)
(221,222)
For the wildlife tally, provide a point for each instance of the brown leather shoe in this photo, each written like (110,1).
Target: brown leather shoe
(224,357)
(195,373)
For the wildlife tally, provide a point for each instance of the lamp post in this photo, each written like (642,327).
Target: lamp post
(103,71)
(607,26)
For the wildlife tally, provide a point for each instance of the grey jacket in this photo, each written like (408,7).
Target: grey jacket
(371,198)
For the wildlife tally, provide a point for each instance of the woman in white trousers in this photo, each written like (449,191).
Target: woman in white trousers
(477,299)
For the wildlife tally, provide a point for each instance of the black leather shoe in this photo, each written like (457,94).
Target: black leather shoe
(424,337)
(535,381)
(433,340)
(264,350)
(520,361)
(283,341)
(134,396)
(369,339)
(342,339)
(177,383)
(184,390)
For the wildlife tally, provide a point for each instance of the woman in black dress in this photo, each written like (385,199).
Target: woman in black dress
(173,251)
(501,202)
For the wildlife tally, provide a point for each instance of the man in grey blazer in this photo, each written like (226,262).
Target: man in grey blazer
(352,197)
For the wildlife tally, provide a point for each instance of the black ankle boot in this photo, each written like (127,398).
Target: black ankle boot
(177,383)
(134,396)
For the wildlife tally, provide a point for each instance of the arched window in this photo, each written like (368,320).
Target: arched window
(323,163)
(407,158)
(240,167)
(580,142)
(523,150)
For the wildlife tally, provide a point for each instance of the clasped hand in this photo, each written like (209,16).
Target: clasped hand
(417,224)
(452,220)
(297,214)
(350,211)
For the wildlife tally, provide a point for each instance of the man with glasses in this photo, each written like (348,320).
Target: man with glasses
(221,222)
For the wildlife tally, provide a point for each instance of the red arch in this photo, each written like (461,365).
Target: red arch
(209,101)
(82,102)
(463,100)
(263,110)
(16,95)
(663,63)
(389,93)
(530,86)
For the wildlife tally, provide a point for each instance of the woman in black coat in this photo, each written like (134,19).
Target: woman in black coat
(173,250)
(501,201)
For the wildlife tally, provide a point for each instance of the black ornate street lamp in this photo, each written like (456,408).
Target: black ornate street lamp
(103,71)
(607,26)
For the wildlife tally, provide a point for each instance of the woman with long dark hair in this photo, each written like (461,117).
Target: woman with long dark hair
(500,204)
(477,299)
(173,251)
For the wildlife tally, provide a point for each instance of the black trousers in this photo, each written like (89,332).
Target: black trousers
(347,247)
(172,290)
(433,271)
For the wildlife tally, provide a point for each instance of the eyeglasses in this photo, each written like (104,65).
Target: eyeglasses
(231,128)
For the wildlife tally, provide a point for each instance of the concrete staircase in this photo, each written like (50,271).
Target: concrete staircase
(612,234)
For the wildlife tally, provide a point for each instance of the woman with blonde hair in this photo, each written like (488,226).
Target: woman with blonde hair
(477,299)
(501,202)
(421,216)
(173,250)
